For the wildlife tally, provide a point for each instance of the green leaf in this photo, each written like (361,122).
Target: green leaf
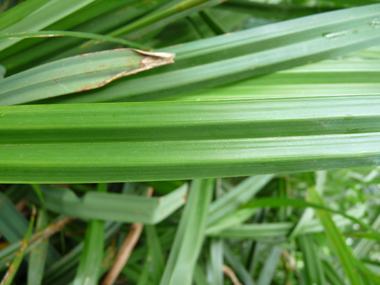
(92,254)
(242,193)
(199,276)
(155,253)
(270,265)
(182,140)
(38,191)
(215,262)
(325,78)
(373,266)
(77,74)
(45,15)
(133,273)
(9,252)
(63,271)
(362,248)
(237,266)
(99,17)
(13,225)
(190,235)
(144,276)
(113,206)
(224,59)
(284,230)
(52,34)
(13,267)
(37,257)
(172,12)
(280,202)
(20,11)
(265,231)
(350,264)
(213,23)
(148,24)
(230,220)
(331,275)
(313,269)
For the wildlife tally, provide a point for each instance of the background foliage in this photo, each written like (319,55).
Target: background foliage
(121,190)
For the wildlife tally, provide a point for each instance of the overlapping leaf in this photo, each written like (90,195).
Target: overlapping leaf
(241,55)
(77,74)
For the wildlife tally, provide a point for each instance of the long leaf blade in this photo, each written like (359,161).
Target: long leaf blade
(37,257)
(182,140)
(92,254)
(189,236)
(77,74)
(12,270)
(249,53)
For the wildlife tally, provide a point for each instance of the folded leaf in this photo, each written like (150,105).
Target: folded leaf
(112,206)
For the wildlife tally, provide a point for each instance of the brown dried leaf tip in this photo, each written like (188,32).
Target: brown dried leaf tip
(148,61)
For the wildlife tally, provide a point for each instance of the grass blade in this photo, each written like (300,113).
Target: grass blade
(92,254)
(13,225)
(37,257)
(270,265)
(144,276)
(237,266)
(326,78)
(190,234)
(99,17)
(9,252)
(230,220)
(52,34)
(199,276)
(280,202)
(362,248)
(8,278)
(170,13)
(266,231)
(155,253)
(156,16)
(20,11)
(350,264)
(224,59)
(125,251)
(148,24)
(331,274)
(45,15)
(119,207)
(213,23)
(63,271)
(241,143)
(215,266)
(77,74)
(284,230)
(239,195)
(313,266)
